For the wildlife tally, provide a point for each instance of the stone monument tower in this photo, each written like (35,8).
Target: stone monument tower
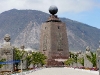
(53,40)
(6,53)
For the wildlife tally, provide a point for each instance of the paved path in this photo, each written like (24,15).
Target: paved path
(63,71)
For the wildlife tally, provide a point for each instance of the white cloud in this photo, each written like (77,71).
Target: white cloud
(43,5)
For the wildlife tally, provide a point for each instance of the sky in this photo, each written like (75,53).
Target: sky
(85,11)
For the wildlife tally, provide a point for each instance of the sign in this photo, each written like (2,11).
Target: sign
(10,62)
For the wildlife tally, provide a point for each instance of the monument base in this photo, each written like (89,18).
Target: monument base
(53,63)
(56,61)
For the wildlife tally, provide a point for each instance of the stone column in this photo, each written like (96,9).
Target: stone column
(7,52)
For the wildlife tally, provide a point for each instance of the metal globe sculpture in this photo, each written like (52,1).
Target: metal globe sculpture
(53,10)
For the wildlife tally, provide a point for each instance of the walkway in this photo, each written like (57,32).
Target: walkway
(63,71)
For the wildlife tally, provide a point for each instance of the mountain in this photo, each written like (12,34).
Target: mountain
(24,28)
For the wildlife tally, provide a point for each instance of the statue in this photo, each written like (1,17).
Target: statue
(87,48)
(7,38)
(7,52)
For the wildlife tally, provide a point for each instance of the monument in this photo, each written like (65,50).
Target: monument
(87,63)
(53,40)
(6,53)
(24,64)
(98,55)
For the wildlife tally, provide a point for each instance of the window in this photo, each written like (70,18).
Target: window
(60,49)
(45,27)
(58,27)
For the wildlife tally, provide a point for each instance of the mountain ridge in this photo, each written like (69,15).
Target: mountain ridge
(24,28)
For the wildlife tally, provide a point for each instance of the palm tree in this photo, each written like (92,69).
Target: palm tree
(72,59)
(38,58)
(92,59)
(2,60)
(81,61)
(42,58)
(18,55)
(69,61)
(75,58)
(71,55)
(29,60)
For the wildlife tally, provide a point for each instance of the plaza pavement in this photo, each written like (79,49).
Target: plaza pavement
(62,71)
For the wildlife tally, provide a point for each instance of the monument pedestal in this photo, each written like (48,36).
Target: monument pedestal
(7,52)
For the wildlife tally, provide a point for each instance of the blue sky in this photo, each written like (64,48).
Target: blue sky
(91,17)
(85,11)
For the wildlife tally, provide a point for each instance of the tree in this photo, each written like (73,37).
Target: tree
(35,57)
(92,58)
(81,61)
(29,60)
(38,58)
(72,58)
(2,60)
(69,61)
(71,55)
(75,58)
(18,55)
